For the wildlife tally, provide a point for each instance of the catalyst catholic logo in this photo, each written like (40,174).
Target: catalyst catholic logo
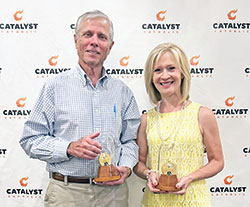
(73,27)
(52,69)
(161,25)
(229,111)
(19,112)
(19,24)
(3,153)
(125,72)
(229,188)
(23,191)
(232,24)
(247,71)
(246,151)
(198,71)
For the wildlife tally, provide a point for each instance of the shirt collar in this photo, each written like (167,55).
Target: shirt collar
(84,77)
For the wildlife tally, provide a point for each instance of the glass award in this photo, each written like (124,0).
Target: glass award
(107,160)
(168,174)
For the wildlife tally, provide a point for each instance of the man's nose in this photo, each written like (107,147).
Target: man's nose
(94,41)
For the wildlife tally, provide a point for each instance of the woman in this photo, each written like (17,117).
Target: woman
(177,131)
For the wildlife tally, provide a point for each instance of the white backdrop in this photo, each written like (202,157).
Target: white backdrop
(36,43)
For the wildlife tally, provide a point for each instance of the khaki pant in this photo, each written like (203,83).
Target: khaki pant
(85,195)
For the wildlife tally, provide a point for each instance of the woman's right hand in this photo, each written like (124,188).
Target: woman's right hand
(153,180)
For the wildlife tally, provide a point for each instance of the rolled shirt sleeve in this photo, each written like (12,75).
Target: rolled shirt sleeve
(130,124)
(38,140)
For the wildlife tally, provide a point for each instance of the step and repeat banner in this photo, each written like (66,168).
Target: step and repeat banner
(36,43)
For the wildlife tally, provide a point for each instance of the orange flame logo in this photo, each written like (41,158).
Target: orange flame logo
(228,179)
(230,14)
(51,60)
(193,60)
(228,100)
(19,102)
(17,17)
(122,61)
(23,182)
(158,15)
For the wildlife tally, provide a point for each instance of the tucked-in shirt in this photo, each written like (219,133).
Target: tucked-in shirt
(68,108)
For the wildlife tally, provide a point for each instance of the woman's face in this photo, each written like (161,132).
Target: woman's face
(167,76)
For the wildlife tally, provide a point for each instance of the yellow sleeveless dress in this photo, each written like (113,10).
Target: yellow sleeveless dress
(183,148)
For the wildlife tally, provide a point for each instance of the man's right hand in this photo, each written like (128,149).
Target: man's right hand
(85,147)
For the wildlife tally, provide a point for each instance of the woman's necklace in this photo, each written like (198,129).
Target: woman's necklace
(171,137)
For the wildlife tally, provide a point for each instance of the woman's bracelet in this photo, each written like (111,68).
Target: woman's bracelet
(148,173)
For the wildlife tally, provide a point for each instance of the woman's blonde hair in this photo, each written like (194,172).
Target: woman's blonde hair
(182,62)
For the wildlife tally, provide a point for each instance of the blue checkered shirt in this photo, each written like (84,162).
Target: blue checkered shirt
(69,108)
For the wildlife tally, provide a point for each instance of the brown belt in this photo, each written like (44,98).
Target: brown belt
(72,179)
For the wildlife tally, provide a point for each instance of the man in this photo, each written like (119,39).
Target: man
(80,114)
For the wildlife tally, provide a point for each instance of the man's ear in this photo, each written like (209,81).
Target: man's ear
(111,45)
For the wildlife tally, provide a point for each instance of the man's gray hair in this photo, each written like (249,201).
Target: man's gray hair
(91,15)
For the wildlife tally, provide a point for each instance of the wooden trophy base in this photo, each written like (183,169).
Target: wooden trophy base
(168,183)
(107,173)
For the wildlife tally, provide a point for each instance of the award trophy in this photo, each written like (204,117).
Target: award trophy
(168,178)
(106,171)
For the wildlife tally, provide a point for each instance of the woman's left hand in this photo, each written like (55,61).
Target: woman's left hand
(182,185)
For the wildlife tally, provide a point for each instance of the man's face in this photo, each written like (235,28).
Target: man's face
(93,42)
